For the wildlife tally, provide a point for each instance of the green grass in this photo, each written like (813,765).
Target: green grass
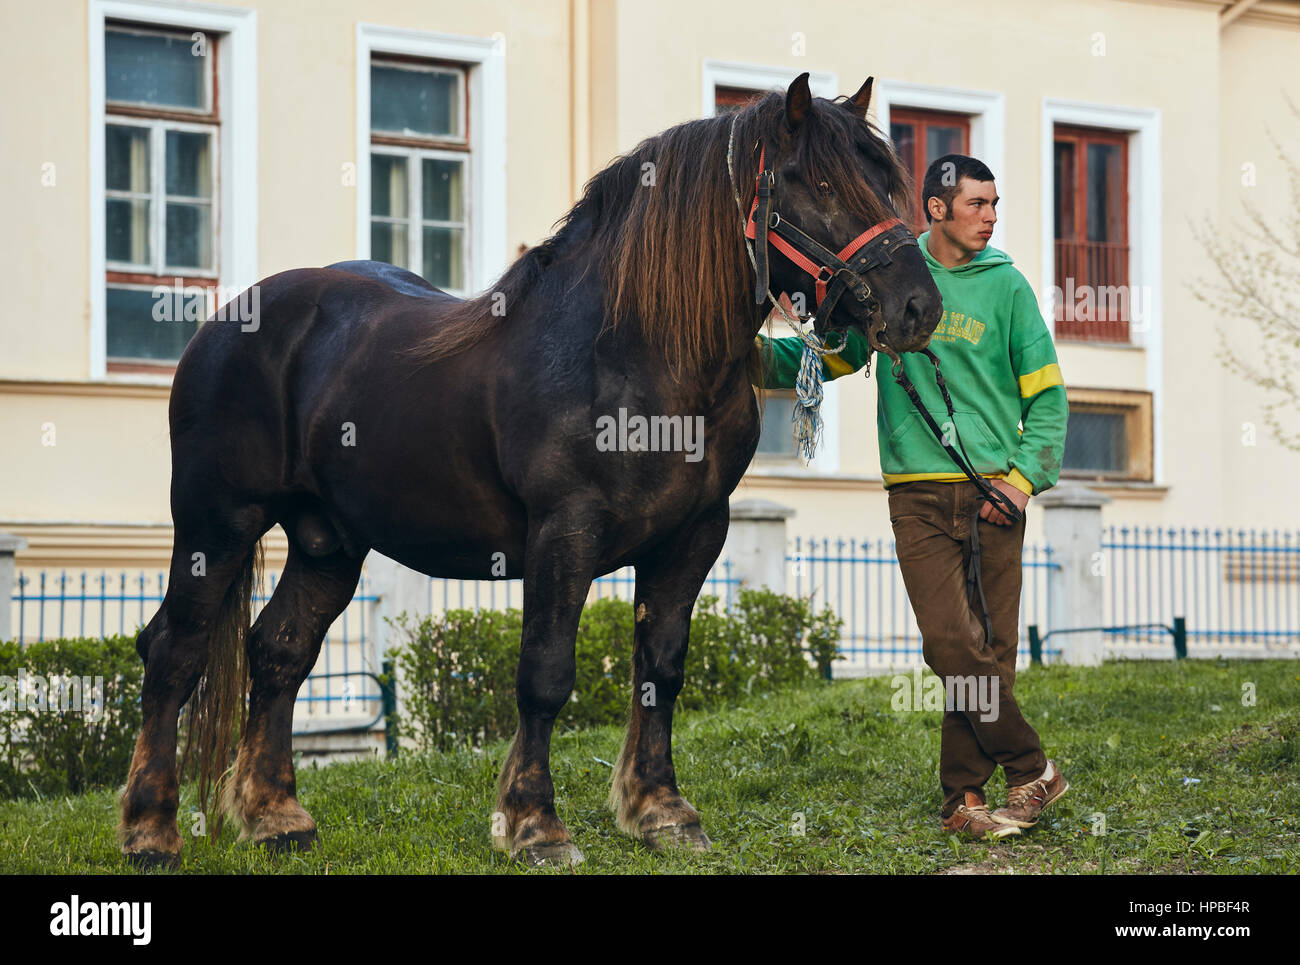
(1127,735)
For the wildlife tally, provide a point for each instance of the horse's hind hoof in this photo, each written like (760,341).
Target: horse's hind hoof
(552,855)
(291,841)
(152,860)
(684,837)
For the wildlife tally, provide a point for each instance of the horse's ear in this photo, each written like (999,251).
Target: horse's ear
(860,101)
(798,99)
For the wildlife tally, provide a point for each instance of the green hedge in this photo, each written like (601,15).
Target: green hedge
(458,672)
(458,682)
(55,751)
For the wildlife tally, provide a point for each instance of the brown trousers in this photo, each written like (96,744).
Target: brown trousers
(931,523)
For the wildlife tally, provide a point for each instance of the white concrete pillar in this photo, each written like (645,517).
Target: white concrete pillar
(756,543)
(9,545)
(398,590)
(1072,528)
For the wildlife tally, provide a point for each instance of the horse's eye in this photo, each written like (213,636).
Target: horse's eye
(824,189)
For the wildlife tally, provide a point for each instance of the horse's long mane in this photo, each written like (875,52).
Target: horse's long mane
(661,227)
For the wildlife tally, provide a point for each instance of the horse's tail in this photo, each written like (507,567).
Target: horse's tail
(217,710)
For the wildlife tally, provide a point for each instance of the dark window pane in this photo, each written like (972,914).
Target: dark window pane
(126,158)
(440,184)
(388,186)
(940,140)
(189,164)
(904,138)
(133,332)
(728,99)
(1096,441)
(414,102)
(189,236)
(388,243)
(777,435)
(1105,194)
(443,263)
(153,69)
(127,231)
(1063,190)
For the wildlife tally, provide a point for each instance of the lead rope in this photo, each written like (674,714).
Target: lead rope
(974,585)
(806,417)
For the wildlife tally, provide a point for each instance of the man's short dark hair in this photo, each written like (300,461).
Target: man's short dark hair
(943,180)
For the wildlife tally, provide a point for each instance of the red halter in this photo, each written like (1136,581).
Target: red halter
(805,252)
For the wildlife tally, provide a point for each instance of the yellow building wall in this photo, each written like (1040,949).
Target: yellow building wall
(569,111)
(1258,74)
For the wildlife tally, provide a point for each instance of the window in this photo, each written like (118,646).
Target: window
(776,438)
(728,99)
(419,169)
(921,137)
(1108,436)
(1090,211)
(161,131)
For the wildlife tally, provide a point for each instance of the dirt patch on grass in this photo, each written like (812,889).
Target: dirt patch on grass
(1037,859)
(1248,735)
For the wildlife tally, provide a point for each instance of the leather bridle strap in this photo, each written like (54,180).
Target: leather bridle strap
(833,273)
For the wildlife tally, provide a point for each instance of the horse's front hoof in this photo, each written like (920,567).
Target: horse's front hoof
(291,841)
(150,860)
(684,837)
(551,855)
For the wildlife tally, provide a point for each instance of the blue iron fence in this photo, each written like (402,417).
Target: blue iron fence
(504,594)
(87,604)
(1239,591)
(98,605)
(860,581)
(1238,588)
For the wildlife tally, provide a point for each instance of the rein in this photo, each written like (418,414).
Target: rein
(836,274)
(987,493)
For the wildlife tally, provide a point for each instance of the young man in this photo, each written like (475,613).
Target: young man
(1000,365)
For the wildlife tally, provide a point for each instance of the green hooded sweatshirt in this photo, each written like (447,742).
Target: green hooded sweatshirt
(999,361)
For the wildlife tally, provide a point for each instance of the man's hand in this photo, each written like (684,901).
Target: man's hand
(994,515)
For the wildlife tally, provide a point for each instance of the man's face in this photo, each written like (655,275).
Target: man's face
(969,221)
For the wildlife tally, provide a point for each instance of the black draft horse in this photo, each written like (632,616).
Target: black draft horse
(367,410)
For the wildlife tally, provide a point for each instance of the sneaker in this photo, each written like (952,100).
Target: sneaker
(973,820)
(1027,801)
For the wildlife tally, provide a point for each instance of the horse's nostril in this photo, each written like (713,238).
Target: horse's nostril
(918,311)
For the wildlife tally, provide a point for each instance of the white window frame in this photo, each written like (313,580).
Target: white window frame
(721,73)
(236,204)
(725,73)
(158,197)
(459,73)
(485,66)
(415,219)
(1145,186)
(987,113)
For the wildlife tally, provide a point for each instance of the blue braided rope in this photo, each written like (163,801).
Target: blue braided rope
(808,400)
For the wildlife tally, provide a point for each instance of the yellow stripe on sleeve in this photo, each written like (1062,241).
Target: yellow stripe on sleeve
(1017,479)
(836,366)
(1044,378)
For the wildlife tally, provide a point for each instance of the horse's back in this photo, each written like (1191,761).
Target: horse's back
(398,279)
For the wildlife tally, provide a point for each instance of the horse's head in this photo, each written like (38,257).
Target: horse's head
(824,219)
